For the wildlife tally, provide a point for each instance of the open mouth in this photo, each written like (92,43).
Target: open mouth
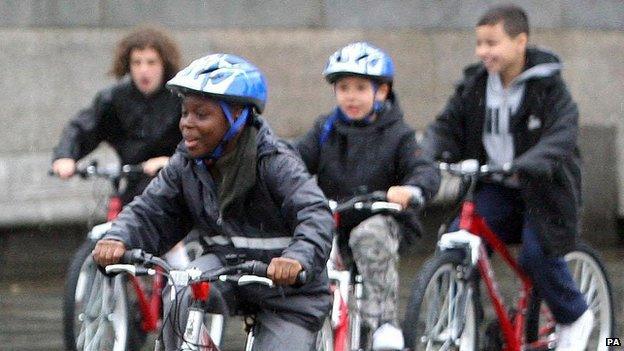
(191,143)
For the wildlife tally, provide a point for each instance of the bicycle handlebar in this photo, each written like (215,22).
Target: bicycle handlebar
(243,273)
(108,172)
(472,168)
(374,202)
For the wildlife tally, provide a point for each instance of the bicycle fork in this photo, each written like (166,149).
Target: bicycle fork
(460,293)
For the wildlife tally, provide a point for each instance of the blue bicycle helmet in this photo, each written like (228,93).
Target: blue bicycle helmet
(357,59)
(223,77)
(360,59)
(227,79)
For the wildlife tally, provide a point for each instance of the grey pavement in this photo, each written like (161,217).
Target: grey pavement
(30,311)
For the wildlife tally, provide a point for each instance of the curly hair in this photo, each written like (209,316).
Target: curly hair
(142,38)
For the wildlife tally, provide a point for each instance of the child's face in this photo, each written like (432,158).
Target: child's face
(202,124)
(146,69)
(355,96)
(497,50)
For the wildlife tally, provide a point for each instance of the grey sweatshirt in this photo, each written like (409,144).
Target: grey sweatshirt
(501,106)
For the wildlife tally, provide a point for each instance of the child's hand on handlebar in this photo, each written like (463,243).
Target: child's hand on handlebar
(153,165)
(108,252)
(284,271)
(405,195)
(64,168)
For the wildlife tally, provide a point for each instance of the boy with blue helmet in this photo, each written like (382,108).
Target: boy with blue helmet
(364,145)
(247,193)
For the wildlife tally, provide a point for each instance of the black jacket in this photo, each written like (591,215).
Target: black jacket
(136,126)
(284,214)
(547,158)
(368,158)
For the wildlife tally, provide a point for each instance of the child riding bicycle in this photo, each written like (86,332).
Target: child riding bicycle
(251,196)
(514,110)
(364,145)
(137,116)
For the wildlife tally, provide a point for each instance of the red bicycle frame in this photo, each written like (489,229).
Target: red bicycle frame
(512,327)
(341,329)
(150,306)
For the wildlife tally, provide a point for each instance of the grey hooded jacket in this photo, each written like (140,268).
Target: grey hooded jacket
(544,130)
(284,214)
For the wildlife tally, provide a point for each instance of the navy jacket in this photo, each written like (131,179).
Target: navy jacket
(368,158)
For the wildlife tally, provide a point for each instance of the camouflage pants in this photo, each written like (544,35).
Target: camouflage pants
(375,244)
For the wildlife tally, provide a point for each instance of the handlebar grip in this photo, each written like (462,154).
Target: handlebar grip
(132,169)
(132,257)
(260,269)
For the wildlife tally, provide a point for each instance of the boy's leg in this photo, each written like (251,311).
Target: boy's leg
(551,278)
(179,311)
(502,210)
(375,244)
(275,333)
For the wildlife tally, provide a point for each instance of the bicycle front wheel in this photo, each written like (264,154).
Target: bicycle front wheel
(591,278)
(325,337)
(442,310)
(96,310)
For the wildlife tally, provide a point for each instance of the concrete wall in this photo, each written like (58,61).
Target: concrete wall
(55,55)
(390,14)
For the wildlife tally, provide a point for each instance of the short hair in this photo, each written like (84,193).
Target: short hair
(514,18)
(142,38)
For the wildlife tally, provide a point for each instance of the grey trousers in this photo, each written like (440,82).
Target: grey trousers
(271,331)
(375,245)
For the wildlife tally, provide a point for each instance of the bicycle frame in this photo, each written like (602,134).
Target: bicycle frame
(150,306)
(340,283)
(512,327)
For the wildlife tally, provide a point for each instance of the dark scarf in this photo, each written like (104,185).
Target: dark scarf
(235,172)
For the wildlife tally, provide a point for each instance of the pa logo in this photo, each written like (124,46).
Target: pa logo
(614,342)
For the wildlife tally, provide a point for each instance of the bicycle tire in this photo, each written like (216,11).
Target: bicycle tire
(538,315)
(325,337)
(81,277)
(216,323)
(437,277)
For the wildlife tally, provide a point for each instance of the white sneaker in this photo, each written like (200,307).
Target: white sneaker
(573,336)
(388,337)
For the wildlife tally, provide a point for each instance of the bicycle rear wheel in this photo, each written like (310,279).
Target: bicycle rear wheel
(96,311)
(591,278)
(442,310)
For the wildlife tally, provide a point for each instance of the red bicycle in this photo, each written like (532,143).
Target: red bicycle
(112,313)
(349,333)
(444,311)
(196,335)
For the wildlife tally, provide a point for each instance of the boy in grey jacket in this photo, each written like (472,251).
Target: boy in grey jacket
(248,193)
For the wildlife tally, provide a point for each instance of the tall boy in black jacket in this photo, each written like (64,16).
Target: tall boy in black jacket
(514,110)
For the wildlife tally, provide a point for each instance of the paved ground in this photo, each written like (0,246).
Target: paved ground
(30,311)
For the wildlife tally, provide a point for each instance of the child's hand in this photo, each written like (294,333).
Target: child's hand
(405,195)
(108,252)
(399,195)
(153,165)
(64,167)
(283,271)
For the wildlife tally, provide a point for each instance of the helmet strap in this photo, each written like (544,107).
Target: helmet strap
(235,127)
